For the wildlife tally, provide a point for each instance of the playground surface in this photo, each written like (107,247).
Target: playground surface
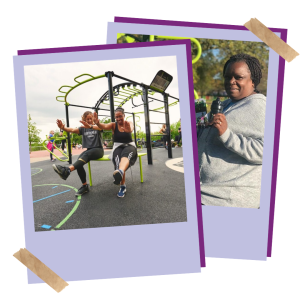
(159,199)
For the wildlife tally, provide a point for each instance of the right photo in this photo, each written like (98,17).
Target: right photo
(231,137)
(230,85)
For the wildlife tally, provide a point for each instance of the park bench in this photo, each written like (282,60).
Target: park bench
(105,158)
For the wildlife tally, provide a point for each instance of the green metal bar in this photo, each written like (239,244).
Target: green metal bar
(60,97)
(81,76)
(141,169)
(79,83)
(56,139)
(136,90)
(126,93)
(196,42)
(44,145)
(109,104)
(114,101)
(131,91)
(140,91)
(195,95)
(120,98)
(151,38)
(136,121)
(171,104)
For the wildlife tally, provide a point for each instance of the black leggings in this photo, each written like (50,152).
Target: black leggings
(124,151)
(84,158)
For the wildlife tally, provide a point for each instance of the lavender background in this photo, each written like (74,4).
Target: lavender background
(231,232)
(115,251)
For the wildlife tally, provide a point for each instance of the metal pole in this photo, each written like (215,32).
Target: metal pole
(168,126)
(111,98)
(109,76)
(69,136)
(133,118)
(101,132)
(147,125)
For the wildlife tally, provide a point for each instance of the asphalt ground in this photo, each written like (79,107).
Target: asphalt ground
(159,199)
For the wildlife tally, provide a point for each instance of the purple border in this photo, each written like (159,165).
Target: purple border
(195,151)
(97,47)
(283,35)
(186,24)
(276,145)
(191,89)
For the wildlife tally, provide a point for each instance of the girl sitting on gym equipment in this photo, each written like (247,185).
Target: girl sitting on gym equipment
(124,153)
(90,140)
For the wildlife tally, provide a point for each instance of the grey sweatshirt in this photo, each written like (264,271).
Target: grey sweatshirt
(231,164)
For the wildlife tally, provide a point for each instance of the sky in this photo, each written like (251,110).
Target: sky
(43,81)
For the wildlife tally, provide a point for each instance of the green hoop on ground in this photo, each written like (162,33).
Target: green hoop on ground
(40,170)
(73,209)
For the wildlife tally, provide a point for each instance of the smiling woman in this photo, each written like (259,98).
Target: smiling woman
(124,153)
(92,141)
(230,148)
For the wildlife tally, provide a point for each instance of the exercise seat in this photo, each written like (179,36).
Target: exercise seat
(105,158)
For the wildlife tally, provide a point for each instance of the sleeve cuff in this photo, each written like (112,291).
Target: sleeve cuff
(225,136)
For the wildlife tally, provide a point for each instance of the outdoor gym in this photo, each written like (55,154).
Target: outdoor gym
(155,183)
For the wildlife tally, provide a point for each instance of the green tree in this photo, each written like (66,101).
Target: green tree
(33,132)
(208,70)
(106,135)
(174,129)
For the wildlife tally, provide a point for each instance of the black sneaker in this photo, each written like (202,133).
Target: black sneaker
(63,172)
(118,176)
(84,189)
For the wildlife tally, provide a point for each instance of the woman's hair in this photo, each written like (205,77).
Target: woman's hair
(253,65)
(120,109)
(83,117)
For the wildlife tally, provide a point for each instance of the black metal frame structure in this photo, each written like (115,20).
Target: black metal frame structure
(114,91)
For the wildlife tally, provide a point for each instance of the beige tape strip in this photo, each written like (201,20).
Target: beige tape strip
(40,269)
(271,39)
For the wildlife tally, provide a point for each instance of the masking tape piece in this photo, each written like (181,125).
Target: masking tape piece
(40,269)
(271,39)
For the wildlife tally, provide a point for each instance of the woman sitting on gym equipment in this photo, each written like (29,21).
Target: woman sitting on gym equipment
(90,140)
(124,153)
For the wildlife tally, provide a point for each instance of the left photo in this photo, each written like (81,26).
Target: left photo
(107,172)
(105,149)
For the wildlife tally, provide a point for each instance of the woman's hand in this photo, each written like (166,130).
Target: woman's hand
(219,121)
(85,124)
(128,126)
(60,124)
(95,115)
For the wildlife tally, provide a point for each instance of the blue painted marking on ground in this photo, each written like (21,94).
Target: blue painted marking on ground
(69,201)
(46,226)
(54,187)
(51,196)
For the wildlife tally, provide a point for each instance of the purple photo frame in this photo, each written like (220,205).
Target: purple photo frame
(193,228)
(282,33)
